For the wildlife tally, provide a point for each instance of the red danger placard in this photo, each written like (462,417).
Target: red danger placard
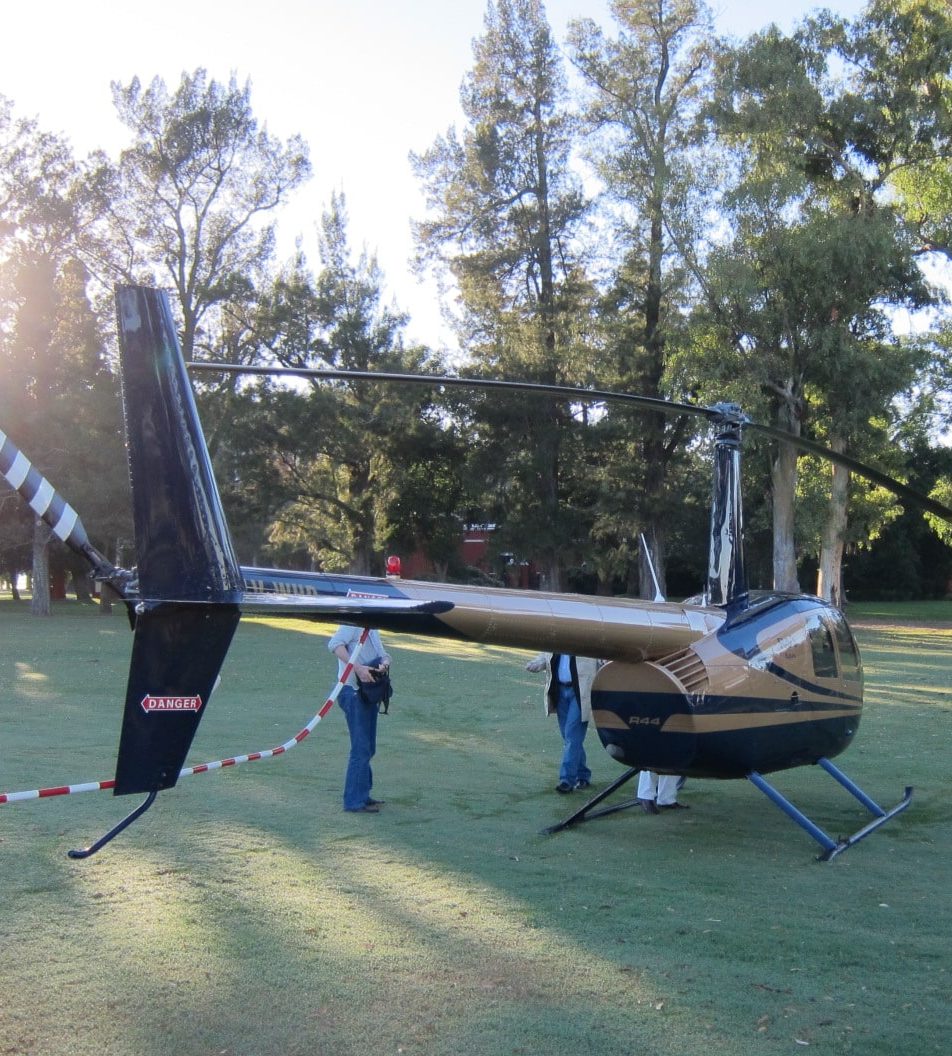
(151,704)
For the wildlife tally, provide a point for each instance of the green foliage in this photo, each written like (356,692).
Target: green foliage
(821,120)
(763,211)
(942,492)
(503,199)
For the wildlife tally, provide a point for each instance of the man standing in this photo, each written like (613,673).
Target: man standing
(568,694)
(361,716)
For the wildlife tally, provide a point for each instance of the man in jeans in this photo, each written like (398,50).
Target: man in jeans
(361,717)
(568,694)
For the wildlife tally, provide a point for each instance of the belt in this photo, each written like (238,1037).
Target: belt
(565,683)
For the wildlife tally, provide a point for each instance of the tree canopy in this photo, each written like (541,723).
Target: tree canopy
(648,208)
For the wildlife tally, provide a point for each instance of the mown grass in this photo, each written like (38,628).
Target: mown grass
(247,915)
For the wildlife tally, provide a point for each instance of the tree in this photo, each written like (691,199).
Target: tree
(646,89)
(504,210)
(59,400)
(190,201)
(818,250)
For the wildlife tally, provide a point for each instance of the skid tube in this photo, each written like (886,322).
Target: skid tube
(586,813)
(831,847)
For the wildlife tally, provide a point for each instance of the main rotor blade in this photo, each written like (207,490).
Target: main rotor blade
(573,392)
(725,414)
(900,490)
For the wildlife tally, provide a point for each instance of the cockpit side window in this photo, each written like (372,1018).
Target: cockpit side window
(824,655)
(849,654)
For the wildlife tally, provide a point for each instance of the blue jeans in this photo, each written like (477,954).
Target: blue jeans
(573,767)
(362,726)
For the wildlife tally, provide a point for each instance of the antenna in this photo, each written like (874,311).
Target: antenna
(658,595)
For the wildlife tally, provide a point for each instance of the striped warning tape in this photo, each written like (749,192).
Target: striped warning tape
(218,764)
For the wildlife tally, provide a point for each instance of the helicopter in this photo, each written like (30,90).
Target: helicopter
(732,684)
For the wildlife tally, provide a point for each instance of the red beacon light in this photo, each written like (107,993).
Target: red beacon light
(393,565)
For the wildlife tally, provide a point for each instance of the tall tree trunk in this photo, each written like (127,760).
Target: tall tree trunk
(82,586)
(42,534)
(829,575)
(654,452)
(783,476)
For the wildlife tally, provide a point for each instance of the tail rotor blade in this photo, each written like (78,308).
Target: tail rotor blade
(48,504)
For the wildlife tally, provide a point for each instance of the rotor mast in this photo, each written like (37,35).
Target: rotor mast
(726,574)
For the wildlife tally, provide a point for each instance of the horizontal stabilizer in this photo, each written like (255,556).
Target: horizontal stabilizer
(327,605)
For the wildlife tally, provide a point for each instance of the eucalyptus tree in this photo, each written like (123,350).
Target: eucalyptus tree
(504,211)
(818,251)
(645,91)
(191,202)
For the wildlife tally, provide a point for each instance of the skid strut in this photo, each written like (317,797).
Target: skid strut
(586,813)
(831,847)
(86,852)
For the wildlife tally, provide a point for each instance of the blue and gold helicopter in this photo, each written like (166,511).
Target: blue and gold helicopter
(731,685)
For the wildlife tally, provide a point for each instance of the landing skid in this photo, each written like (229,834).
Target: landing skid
(831,847)
(586,813)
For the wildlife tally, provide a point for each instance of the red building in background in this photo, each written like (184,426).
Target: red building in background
(474,554)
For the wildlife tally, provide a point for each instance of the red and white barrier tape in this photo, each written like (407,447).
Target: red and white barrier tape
(218,764)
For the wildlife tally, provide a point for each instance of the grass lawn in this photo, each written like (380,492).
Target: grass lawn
(247,915)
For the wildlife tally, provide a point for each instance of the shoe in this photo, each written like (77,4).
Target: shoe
(648,806)
(583,783)
(375,802)
(564,787)
(367,808)
(673,806)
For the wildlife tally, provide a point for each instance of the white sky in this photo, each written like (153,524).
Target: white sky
(363,81)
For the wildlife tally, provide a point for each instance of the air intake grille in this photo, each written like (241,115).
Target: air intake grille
(688,668)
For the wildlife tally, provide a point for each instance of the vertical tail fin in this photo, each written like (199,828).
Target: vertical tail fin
(188,575)
(177,653)
(183,543)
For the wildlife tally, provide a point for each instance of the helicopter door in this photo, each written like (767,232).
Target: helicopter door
(643,717)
